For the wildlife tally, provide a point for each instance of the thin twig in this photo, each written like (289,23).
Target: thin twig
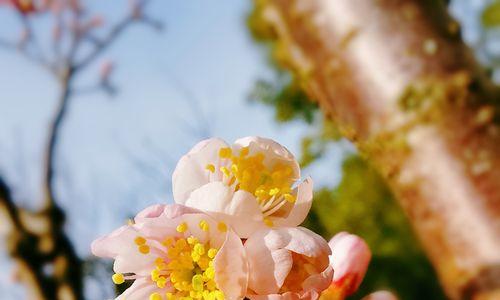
(27,55)
(102,44)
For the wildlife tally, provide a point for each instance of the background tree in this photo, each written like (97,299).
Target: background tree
(323,45)
(45,258)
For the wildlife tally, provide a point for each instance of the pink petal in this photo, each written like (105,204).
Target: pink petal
(213,235)
(268,269)
(299,240)
(231,267)
(158,221)
(319,282)
(270,259)
(175,210)
(190,172)
(301,207)
(120,246)
(350,258)
(238,209)
(152,211)
(170,211)
(269,263)
(141,289)
(110,245)
(309,295)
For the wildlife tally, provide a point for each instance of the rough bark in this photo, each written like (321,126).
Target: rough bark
(43,257)
(400,83)
(45,260)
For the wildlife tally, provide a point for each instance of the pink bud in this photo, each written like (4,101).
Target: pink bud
(381,295)
(136,9)
(24,37)
(56,32)
(96,21)
(349,259)
(106,69)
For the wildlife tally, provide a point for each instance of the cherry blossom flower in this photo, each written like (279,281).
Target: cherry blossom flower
(349,259)
(287,263)
(172,251)
(250,184)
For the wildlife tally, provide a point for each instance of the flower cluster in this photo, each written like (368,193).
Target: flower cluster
(233,233)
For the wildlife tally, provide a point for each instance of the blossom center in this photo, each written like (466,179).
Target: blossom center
(184,266)
(271,185)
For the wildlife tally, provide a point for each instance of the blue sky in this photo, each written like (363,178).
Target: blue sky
(116,154)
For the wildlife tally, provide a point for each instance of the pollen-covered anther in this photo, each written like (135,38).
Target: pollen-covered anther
(181,228)
(118,278)
(155,296)
(268,222)
(210,167)
(290,198)
(204,225)
(144,249)
(225,152)
(140,241)
(222,227)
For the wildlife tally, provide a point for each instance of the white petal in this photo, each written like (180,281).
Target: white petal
(141,289)
(301,207)
(239,210)
(190,172)
(231,267)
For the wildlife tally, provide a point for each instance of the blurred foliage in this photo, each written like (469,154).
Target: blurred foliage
(361,203)
(491,15)
(289,100)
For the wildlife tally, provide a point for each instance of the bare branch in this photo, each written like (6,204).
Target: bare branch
(102,44)
(36,59)
(35,247)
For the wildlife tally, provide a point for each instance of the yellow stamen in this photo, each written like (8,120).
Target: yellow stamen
(189,268)
(290,198)
(144,249)
(155,296)
(274,191)
(212,252)
(204,225)
(222,227)
(244,151)
(225,152)
(268,222)
(140,241)
(210,167)
(197,282)
(192,240)
(168,241)
(118,278)
(225,171)
(270,184)
(182,227)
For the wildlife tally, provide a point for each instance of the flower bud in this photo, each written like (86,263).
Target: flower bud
(349,259)
(381,295)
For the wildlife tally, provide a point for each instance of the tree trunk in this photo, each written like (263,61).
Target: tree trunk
(400,83)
